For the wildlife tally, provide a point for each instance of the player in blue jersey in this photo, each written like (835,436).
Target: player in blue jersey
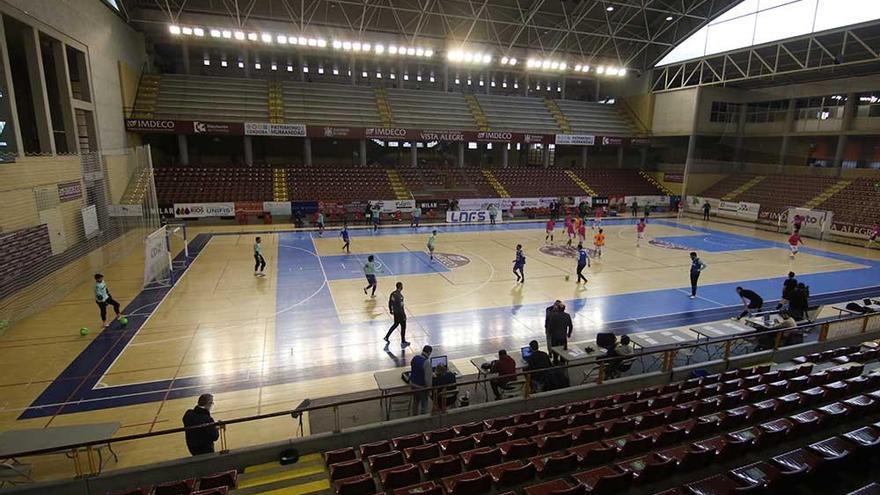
(345,239)
(583,262)
(518,264)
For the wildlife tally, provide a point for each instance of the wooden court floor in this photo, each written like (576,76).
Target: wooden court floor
(306,330)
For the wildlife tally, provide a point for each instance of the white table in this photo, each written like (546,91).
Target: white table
(759,323)
(390,381)
(479,361)
(13,441)
(728,328)
(841,307)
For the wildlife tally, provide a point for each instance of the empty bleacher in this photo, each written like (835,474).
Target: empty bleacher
(776,193)
(338,183)
(516,114)
(213,184)
(594,118)
(211,98)
(726,185)
(858,203)
(611,182)
(330,104)
(430,110)
(529,182)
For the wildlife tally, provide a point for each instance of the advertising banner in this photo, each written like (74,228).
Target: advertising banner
(647,200)
(476,216)
(851,230)
(393,205)
(599,201)
(694,204)
(738,210)
(677,178)
(202,210)
(69,191)
(156,256)
(250,207)
(278,130)
(318,131)
(442,136)
(277,208)
(185,127)
(814,222)
(390,133)
(575,139)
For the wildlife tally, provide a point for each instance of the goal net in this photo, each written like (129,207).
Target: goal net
(809,222)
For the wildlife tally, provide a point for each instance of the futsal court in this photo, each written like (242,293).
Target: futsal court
(307,330)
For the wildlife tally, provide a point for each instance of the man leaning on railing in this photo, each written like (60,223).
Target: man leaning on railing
(201,440)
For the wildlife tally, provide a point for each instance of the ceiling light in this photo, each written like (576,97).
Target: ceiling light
(419,77)
(487,58)
(504,84)
(302,40)
(600,70)
(378,75)
(313,42)
(392,76)
(240,64)
(322,43)
(346,45)
(578,67)
(481,83)
(281,39)
(226,33)
(199,32)
(239,36)
(252,36)
(207,61)
(186,30)
(289,68)
(337,44)
(305,69)
(504,60)
(266,37)
(554,65)
(420,52)
(610,8)
(621,72)
(320,70)
(258,66)
(215,33)
(224,63)
(545,64)
(356,46)
(365,47)
(274,66)
(406,77)
(492,84)
(515,85)
(429,53)
(335,71)
(380,49)
(174,29)
(669,18)
(512,61)
(457,81)
(410,51)
(364,74)
(431,79)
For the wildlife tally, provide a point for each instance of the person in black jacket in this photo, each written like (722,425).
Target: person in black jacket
(799,301)
(538,360)
(559,328)
(201,440)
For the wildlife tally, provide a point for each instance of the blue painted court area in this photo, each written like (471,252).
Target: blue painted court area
(350,266)
(307,317)
(716,242)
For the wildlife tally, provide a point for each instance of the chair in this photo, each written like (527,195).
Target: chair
(869,489)
(400,476)
(457,445)
(512,389)
(227,479)
(340,455)
(553,425)
(387,460)
(13,473)
(370,449)
(758,475)
(719,484)
(491,438)
(866,438)
(481,457)
(357,485)
(402,443)
(795,464)
(441,467)
(346,469)
(554,465)
(596,455)
(586,434)
(470,483)
(555,487)
(427,488)
(651,468)
(832,450)
(552,443)
(422,453)
(132,491)
(695,458)
(518,449)
(634,444)
(605,480)
(514,473)
(469,428)
(180,487)
(219,490)
(435,436)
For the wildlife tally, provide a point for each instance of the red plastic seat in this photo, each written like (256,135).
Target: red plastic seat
(441,467)
(357,485)
(400,476)
(181,487)
(227,479)
(469,483)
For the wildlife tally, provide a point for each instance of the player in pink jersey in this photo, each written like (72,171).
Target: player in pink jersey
(875,233)
(582,232)
(640,232)
(569,228)
(597,222)
(793,242)
(551,224)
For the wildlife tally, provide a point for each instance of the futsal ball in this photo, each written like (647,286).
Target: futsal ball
(83,331)
(567,277)
(123,321)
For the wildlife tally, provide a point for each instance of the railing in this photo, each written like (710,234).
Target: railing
(664,355)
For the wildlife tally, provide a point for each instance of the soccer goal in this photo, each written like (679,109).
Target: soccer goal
(813,223)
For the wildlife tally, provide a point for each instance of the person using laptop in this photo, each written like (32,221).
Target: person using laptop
(536,359)
(445,379)
(420,380)
(505,366)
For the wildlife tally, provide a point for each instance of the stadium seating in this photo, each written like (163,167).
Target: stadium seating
(726,185)
(858,203)
(611,182)
(338,183)
(517,114)
(212,184)
(594,118)
(330,104)
(777,193)
(196,98)
(531,182)
(430,110)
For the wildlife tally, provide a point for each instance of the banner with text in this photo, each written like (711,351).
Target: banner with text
(275,130)
(156,256)
(739,210)
(844,229)
(475,216)
(184,127)
(647,200)
(277,208)
(694,204)
(575,140)
(202,210)
(393,205)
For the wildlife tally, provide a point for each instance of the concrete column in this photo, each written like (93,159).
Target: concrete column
(65,95)
(740,129)
(786,137)
(400,70)
(528,81)
(504,155)
(643,157)
(584,152)
(307,151)
(184,53)
(620,156)
(598,89)
(445,76)
(562,85)
(362,152)
(6,70)
(301,60)
(247,64)
(39,95)
(248,151)
(849,109)
(545,156)
(182,150)
(486,80)
(461,145)
(413,155)
(354,72)
(692,141)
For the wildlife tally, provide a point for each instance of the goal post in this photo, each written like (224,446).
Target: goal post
(157,258)
(813,223)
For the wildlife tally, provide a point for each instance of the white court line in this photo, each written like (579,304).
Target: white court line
(326,282)
(313,294)
(176,284)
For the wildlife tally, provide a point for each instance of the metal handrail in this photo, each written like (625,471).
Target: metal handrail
(593,360)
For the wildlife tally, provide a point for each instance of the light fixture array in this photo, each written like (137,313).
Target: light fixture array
(546,64)
(468,57)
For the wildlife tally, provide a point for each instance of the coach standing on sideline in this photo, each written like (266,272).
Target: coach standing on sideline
(395,307)
(201,440)
(559,329)
(697,267)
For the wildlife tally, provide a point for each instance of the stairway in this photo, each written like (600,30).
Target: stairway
(275,94)
(384,107)
(145,101)
(827,193)
(580,182)
(397,185)
(495,183)
(279,185)
(477,112)
(136,190)
(650,178)
(743,188)
(558,116)
(305,477)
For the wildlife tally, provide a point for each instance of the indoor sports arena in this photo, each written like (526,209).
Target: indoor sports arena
(423,247)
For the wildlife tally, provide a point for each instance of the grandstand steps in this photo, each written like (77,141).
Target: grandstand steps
(136,190)
(743,188)
(308,476)
(384,107)
(495,183)
(397,185)
(650,178)
(580,182)
(275,102)
(145,101)
(477,112)
(558,116)
(631,119)
(279,185)
(827,193)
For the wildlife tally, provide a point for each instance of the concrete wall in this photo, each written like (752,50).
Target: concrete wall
(90,26)
(674,113)
(18,205)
